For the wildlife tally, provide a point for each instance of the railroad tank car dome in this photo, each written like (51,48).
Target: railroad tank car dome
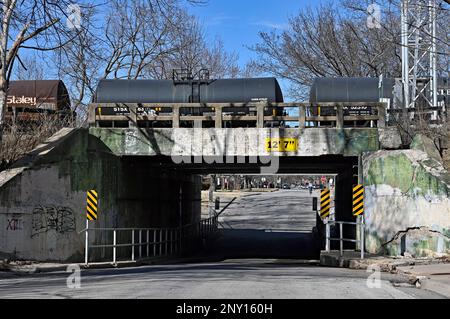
(169,91)
(341,89)
(42,94)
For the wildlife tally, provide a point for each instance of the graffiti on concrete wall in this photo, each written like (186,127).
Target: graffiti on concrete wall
(58,218)
(14,224)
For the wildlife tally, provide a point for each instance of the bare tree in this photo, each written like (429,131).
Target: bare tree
(325,42)
(20,138)
(336,40)
(28,25)
(391,8)
(139,39)
(149,41)
(390,24)
(79,63)
(195,52)
(29,68)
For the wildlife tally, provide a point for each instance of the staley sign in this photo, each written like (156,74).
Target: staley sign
(20,100)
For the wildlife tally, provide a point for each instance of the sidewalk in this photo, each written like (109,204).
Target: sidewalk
(425,273)
(27,268)
(433,277)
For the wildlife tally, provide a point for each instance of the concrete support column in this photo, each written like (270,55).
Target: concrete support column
(381,116)
(176,117)
(219,118)
(339,117)
(302,117)
(343,210)
(260,116)
(133,116)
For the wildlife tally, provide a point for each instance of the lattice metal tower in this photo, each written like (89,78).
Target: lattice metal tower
(419,56)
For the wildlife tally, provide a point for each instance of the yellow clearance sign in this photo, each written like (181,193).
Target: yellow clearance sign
(283,144)
(92,205)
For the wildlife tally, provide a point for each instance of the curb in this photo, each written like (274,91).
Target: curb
(8,270)
(386,264)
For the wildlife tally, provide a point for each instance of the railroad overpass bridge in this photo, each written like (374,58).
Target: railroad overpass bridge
(149,177)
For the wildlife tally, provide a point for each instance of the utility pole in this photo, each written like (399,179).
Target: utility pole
(419,56)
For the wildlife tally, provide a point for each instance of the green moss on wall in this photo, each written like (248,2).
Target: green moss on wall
(397,171)
(113,138)
(358,141)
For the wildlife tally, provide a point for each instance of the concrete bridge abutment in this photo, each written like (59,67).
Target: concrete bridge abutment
(43,198)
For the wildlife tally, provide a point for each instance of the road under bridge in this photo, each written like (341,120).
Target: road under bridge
(150,178)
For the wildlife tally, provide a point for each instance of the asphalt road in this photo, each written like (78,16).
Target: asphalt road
(280,210)
(268,225)
(263,231)
(255,278)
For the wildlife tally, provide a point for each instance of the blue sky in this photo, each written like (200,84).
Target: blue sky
(237,22)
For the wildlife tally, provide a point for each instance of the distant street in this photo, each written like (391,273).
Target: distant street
(279,210)
(268,225)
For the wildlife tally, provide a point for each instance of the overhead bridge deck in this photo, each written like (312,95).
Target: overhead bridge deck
(132,129)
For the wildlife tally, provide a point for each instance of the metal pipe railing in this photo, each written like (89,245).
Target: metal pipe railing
(341,238)
(166,241)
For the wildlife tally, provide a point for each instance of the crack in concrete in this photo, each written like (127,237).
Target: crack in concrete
(402,232)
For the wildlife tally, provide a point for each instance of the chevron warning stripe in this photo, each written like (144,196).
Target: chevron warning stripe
(325,203)
(358,200)
(91,205)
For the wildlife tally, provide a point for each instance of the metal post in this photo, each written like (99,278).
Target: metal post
(341,242)
(148,243)
(132,245)
(114,246)
(140,243)
(86,244)
(176,241)
(160,242)
(433,57)
(154,242)
(166,242)
(180,225)
(171,241)
(327,237)
(362,237)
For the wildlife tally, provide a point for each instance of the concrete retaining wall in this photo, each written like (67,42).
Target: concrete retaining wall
(407,200)
(43,198)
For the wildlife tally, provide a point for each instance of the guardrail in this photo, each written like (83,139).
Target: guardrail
(254,114)
(152,242)
(201,230)
(341,239)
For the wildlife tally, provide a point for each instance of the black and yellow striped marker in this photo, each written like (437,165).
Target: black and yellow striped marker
(358,200)
(325,203)
(91,205)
